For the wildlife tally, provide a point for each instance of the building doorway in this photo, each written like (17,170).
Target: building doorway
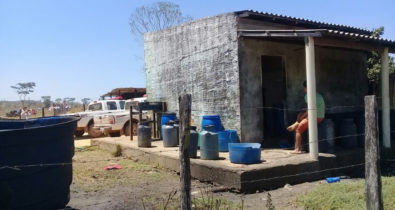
(273,95)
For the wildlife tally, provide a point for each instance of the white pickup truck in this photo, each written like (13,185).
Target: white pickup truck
(118,123)
(96,108)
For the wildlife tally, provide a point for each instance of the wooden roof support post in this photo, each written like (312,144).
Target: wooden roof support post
(311,97)
(385,100)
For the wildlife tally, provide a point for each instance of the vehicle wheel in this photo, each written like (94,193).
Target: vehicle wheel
(126,128)
(93,132)
(79,133)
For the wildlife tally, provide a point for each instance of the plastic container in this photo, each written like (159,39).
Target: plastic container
(223,141)
(209,145)
(166,117)
(212,120)
(245,153)
(193,142)
(332,179)
(234,138)
(144,135)
(210,128)
(46,140)
(177,127)
(169,135)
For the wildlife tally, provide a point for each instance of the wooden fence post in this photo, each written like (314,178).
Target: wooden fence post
(131,123)
(185,171)
(374,198)
(43,112)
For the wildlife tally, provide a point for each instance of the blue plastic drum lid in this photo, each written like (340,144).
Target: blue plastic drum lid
(245,153)
(212,120)
(223,140)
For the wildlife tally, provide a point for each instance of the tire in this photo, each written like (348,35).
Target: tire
(93,132)
(79,133)
(126,128)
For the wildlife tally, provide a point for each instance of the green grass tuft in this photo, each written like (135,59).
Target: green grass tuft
(345,195)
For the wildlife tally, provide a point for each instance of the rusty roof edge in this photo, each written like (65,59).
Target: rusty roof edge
(301,21)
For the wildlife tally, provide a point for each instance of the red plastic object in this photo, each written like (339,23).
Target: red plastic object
(112,167)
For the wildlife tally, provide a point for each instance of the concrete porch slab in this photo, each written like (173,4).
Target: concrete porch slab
(277,168)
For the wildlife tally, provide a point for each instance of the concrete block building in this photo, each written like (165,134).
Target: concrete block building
(249,67)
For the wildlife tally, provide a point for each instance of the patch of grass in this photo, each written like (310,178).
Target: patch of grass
(118,151)
(345,195)
(89,174)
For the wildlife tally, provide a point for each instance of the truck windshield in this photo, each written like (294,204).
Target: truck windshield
(95,107)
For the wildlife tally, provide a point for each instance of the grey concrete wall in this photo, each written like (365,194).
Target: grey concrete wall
(340,78)
(201,58)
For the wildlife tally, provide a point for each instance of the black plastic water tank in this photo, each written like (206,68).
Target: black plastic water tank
(26,144)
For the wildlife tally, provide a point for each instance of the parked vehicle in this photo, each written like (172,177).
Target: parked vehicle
(118,123)
(96,108)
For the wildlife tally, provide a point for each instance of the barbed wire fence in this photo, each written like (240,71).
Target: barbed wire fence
(345,137)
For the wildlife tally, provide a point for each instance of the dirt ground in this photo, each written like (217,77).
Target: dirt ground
(142,186)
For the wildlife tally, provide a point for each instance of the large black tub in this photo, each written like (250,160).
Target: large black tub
(24,145)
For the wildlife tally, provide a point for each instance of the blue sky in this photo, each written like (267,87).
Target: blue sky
(84,48)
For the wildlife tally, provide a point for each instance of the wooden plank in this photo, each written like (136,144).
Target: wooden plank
(374,198)
(185,170)
(131,122)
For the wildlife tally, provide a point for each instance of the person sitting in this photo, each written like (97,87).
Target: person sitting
(302,124)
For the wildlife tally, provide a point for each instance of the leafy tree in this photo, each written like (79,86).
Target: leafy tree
(46,100)
(68,100)
(24,89)
(58,100)
(85,100)
(157,16)
(374,64)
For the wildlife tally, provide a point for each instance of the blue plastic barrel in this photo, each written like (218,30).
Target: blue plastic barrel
(209,145)
(210,128)
(43,141)
(212,120)
(245,153)
(234,138)
(193,142)
(223,140)
(166,117)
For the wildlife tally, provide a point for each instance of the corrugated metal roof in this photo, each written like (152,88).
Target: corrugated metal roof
(302,22)
(361,36)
